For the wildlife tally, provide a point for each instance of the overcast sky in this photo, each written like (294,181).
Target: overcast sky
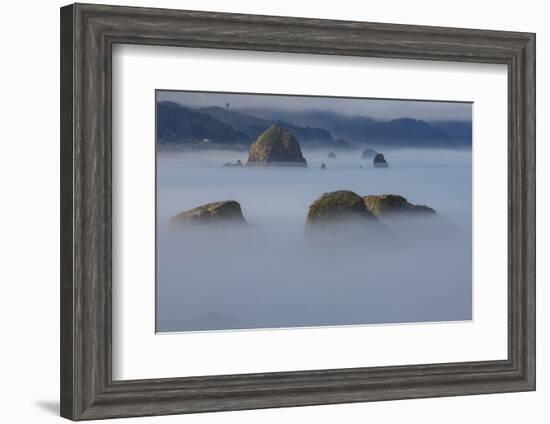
(375,108)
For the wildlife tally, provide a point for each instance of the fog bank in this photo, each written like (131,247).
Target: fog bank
(272,275)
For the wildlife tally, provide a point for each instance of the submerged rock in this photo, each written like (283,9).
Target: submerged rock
(338,206)
(276,146)
(331,155)
(237,164)
(385,205)
(369,153)
(228,211)
(379,161)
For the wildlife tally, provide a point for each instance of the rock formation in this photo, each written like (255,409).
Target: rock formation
(276,146)
(228,211)
(237,164)
(331,155)
(368,153)
(323,166)
(379,161)
(338,206)
(385,205)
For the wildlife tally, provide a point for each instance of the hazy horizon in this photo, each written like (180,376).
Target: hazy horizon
(379,109)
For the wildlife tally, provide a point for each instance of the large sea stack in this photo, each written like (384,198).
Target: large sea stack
(387,205)
(342,217)
(276,146)
(338,206)
(228,211)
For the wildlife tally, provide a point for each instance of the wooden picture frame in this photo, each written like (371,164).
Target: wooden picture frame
(88,33)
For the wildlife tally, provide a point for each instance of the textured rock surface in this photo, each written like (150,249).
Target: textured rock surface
(379,161)
(368,153)
(228,211)
(392,204)
(338,206)
(276,146)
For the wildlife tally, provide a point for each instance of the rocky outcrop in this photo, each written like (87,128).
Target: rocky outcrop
(276,146)
(338,206)
(331,155)
(237,164)
(379,161)
(228,211)
(368,153)
(386,205)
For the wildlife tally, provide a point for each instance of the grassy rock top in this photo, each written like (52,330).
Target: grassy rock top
(338,206)
(276,145)
(228,211)
(388,204)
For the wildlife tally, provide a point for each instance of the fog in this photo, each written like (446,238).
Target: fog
(271,273)
(375,108)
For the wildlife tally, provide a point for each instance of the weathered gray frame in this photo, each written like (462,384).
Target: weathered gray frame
(88,33)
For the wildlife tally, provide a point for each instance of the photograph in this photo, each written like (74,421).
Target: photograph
(278,211)
(282,212)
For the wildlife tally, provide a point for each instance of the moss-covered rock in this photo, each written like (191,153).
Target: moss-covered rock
(338,206)
(276,146)
(384,205)
(228,211)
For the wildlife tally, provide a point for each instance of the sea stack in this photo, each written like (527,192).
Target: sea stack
(386,205)
(276,146)
(338,206)
(227,211)
(379,161)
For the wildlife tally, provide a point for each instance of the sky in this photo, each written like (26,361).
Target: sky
(382,109)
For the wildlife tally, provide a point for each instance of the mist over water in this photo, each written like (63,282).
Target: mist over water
(270,274)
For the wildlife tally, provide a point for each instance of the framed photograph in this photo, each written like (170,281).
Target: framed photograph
(263,211)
